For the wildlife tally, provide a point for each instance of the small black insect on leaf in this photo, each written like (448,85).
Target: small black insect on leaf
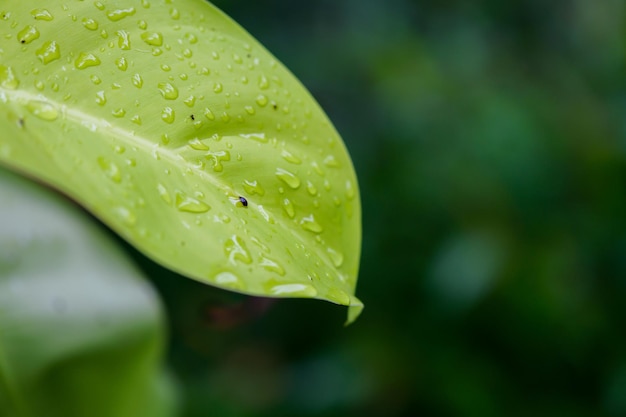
(243,201)
(192,117)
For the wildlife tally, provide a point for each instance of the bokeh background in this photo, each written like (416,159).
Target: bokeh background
(489,138)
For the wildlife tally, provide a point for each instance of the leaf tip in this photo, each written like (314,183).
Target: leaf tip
(354,311)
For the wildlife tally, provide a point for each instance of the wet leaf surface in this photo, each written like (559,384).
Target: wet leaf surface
(184,135)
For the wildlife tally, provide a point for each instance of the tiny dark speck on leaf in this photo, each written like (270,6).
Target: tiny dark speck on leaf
(22,41)
(274,106)
(243,201)
(193,117)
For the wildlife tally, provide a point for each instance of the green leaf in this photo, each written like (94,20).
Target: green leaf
(157,117)
(81,334)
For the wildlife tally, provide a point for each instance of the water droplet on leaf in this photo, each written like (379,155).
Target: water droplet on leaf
(43,110)
(253,187)
(271,266)
(259,137)
(350,193)
(123,40)
(190,101)
(293,290)
(168,115)
(289,208)
(86,60)
(209,114)
(137,81)
(90,24)
(198,145)
(152,38)
(331,162)
(338,296)
(311,188)
(288,178)
(263,82)
(228,279)
(41,14)
(48,52)
(217,158)
(121,63)
(165,195)
(126,216)
(119,14)
(190,204)
(309,223)
(119,112)
(261,100)
(110,169)
(168,91)
(289,157)
(236,250)
(8,79)
(28,34)
(335,256)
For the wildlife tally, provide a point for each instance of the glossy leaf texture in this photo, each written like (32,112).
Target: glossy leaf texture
(81,332)
(176,128)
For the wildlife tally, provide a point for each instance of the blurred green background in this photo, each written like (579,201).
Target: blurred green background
(489,138)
